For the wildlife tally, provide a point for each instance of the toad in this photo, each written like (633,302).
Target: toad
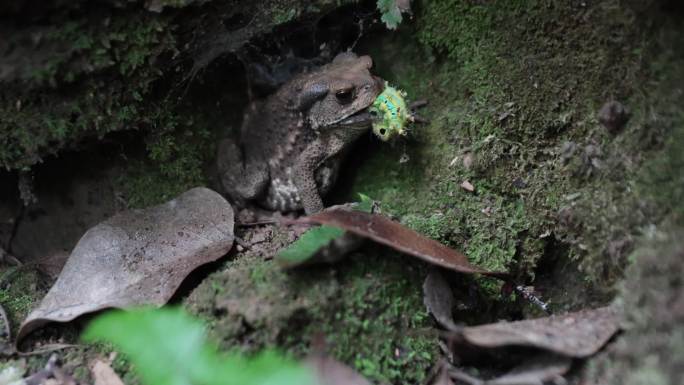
(291,144)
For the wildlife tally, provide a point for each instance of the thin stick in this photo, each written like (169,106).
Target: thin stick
(258,223)
(46,349)
(459,375)
(531,298)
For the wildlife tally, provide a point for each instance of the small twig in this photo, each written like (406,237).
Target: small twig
(418,104)
(46,349)
(258,223)
(459,375)
(531,298)
(420,119)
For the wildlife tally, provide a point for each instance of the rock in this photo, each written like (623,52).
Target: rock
(613,115)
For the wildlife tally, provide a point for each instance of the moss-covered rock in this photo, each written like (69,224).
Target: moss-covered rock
(651,350)
(73,74)
(514,89)
(369,309)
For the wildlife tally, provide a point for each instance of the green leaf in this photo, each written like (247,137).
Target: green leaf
(391,14)
(314,239)
(308,244)
(365,204)
(168,347)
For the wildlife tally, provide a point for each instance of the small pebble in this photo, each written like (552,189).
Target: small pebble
(613,116)
(467,186)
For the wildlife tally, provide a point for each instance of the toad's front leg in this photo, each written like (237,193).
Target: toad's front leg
(305,176)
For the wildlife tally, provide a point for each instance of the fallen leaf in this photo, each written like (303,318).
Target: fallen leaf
(443,377)
(538,370)
(578,334)
(467,186)
(304,248)
(138,257)
(387,232)
(103,374)
(324,244)
(329,371)
(439,300)
(52,265)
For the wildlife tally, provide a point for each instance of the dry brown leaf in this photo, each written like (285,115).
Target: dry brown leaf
(466,185)
(578,334)
(439,300)
(443,377)
(103,374)
(537,371)
(395,235)
(329,371)
(138,257)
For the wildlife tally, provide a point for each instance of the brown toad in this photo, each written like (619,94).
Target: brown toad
(292,143)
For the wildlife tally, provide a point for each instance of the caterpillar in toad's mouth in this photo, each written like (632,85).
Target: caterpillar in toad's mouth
(390,114)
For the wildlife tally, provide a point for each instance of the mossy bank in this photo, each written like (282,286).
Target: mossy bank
(514,91)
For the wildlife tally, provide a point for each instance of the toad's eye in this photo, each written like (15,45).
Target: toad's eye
(345,96)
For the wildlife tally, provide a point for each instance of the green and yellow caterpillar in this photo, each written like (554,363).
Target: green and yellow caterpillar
(390,113)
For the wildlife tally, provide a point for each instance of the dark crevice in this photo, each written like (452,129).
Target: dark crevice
(15,227)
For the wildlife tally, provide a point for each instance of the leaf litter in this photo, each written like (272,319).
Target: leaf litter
(556,339)
(383,230)
(537,371)
(138,257)
(439,299)
(573,335)
(579,334)
(325,244)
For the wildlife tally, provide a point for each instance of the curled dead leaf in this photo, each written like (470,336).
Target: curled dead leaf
(579,334)
(138,257)
(537,370)
(382,230)
(439,300)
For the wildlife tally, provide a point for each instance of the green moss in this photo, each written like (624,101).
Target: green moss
(18,293)
(512,84)
(650,350)
(369,309)
(174,162)
(284,14)
(380,325)
(90,76)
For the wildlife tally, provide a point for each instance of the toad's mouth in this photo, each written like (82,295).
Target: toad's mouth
(361,119)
